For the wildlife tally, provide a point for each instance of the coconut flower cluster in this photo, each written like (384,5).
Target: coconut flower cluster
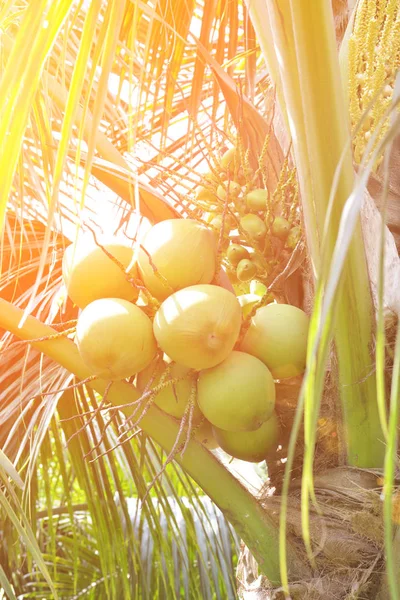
(159,316)
(256,231)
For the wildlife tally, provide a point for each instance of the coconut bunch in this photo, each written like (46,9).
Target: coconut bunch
(256,231)
(167,319)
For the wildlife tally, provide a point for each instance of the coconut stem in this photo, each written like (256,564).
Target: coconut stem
(253,524)
(305,44)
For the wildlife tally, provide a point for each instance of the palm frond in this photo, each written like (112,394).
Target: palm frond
(12,510)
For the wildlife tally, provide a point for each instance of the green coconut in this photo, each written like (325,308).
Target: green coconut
(251,446)
(183,252)
(89,274)
(198,326)
(237,394)
(174,398)
(115,338)
(278,336)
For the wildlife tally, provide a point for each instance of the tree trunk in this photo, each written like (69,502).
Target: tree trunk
(347,538)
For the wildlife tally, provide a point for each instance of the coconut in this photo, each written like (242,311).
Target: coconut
(89,274)
(205,197)
(228,223)
(254,227)
(115,338)
(223,243)
(238,394)
(280,227)
(234,190)
(174,398)
(236,253)
(228,159)
(183,252)
(198,326)
(204,434)
(252,446)
(257,199)
(246,270)
(203,193)
(211,177)
(278,336)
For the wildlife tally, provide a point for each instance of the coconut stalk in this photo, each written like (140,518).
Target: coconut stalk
(303,40)
(252,522)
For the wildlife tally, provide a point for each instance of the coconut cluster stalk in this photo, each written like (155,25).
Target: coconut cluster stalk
(253,523)
(303,42)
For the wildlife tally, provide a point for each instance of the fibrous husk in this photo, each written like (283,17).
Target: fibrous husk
(347,540)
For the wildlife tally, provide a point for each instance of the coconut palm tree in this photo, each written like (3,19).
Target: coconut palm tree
(111,111)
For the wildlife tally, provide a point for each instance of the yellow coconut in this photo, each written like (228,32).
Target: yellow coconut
(211,177)
(280,227)
(89,274)
(198,326)
(174,398)
(205,197)
(203,193)
(228,221)
(252,446)
(115,338)
(204,434)
(236,253)
(254,227)
(233,187)
(229,158)
(278,336)
(183,252)
(246,270)
(257,199)
(237,394)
